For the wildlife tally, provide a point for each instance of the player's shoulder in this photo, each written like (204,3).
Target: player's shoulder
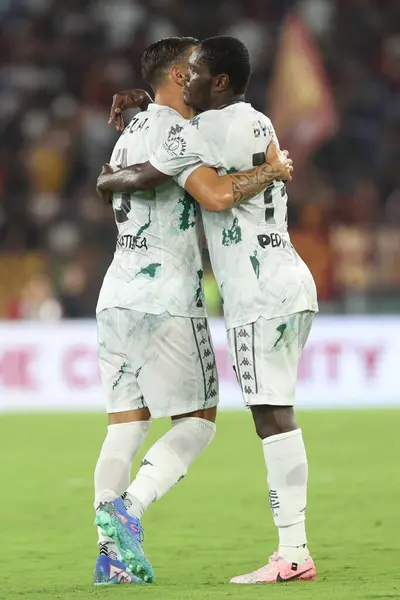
(256,120)
(154,118)
(161,120)
(246,109)
(209,127)
(164,114)
(226,116)
(209,119)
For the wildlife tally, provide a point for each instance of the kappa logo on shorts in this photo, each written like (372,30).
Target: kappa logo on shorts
(245,359)
(243,333)
(246,375)
(245,363)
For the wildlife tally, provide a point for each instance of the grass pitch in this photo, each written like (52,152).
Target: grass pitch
(213,525)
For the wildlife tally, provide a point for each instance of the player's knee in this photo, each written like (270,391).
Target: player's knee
(273,420)
(129,416)
(190,436)
(208,414)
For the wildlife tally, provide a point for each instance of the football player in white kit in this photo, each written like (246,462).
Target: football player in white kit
(268,292)
(155,352)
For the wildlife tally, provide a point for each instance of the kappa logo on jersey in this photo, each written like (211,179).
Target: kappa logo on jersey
(275,240)
(175,129)
(195,122)
(131,242)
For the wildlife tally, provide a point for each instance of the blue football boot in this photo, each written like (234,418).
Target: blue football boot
(127,534)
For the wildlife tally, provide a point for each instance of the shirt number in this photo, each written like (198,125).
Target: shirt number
(121,213)
(258,159)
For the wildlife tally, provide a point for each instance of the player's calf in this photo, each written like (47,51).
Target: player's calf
(167,462)
(125,435)
(273,420)
(286,461)
(164,465)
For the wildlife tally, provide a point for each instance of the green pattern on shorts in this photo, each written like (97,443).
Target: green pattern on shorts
(121,372)
(150,270)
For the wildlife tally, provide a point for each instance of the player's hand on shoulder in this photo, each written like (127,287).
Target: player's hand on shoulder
(125,100)
(280,162)
(103,193)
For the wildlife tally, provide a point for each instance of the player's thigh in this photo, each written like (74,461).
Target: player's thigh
(120,385)
(266,355)
(306,320)
(177,371)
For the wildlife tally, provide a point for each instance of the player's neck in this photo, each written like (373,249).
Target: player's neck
(167,98)
(222,101)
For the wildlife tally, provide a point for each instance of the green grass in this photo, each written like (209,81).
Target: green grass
(213,525)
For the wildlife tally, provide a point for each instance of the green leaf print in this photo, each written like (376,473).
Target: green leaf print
(233,234)
(188,214)
(150,270)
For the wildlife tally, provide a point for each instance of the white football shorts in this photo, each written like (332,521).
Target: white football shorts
(161,362)
(265,356)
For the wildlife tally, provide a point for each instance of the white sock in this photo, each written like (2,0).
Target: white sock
(113,468)
(167,462)
(286,461)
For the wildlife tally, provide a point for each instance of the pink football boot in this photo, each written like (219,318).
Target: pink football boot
(278,570)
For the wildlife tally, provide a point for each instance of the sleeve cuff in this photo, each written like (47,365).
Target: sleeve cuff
(162,167)
(182,177)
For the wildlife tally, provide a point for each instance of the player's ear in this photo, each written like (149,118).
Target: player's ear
(222,82)
(177,76)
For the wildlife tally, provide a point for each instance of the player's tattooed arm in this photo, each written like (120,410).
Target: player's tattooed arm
(220,193)
(211,191)
(247,184)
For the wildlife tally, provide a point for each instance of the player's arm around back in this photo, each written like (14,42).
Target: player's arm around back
(217,193)
(210,190)
(142,176)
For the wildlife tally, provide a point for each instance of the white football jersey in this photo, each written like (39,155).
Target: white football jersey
(258,271)
(157,265)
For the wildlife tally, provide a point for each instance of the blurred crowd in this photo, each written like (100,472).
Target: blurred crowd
(62,60)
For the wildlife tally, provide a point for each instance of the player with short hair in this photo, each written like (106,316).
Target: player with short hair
(155,352)
(268,292)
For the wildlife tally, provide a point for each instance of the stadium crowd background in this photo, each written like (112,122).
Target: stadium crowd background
(62,60)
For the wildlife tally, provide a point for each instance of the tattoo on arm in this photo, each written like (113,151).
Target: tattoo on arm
(249,183)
